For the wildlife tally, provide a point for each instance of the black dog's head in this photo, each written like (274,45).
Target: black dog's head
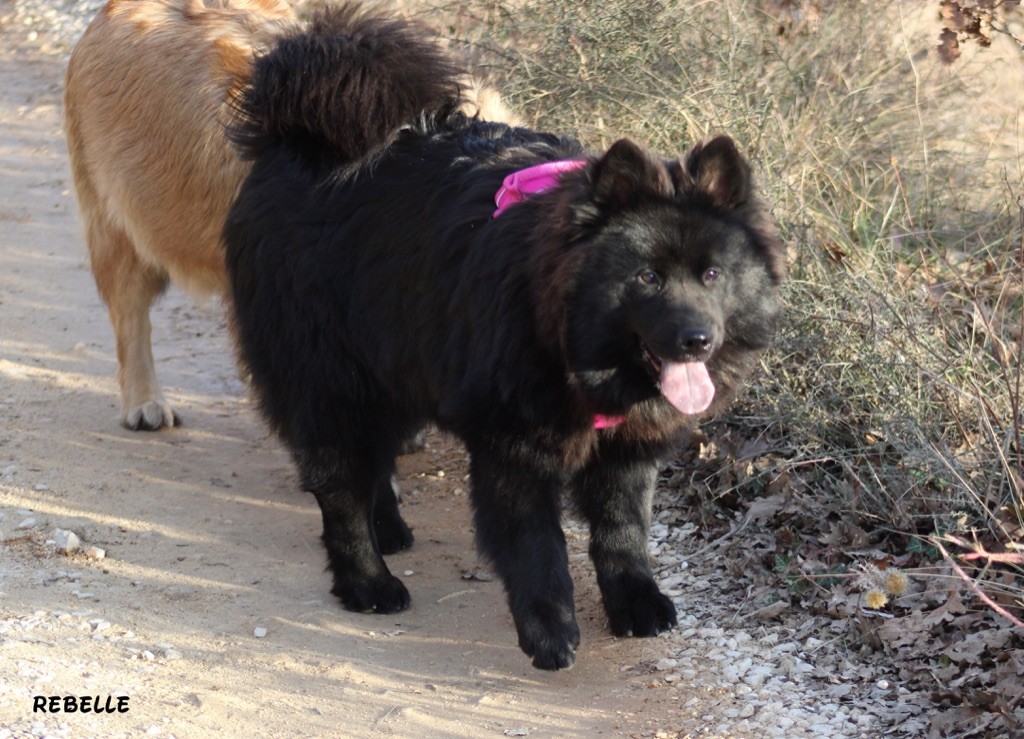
(678,284)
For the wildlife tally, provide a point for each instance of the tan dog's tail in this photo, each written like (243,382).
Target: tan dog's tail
(484,102)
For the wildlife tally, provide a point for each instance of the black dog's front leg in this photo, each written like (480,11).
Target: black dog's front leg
(393,534)
(347,491)
(518,527)
(614,493)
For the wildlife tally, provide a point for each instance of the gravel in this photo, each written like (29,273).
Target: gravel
(755,678)
(52,26)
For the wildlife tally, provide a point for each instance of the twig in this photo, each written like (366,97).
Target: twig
(810,579)
(1015,397)
(456,594)
(977,590)
(979,552)
(720,540)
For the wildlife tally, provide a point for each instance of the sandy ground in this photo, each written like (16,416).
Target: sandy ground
(207,537)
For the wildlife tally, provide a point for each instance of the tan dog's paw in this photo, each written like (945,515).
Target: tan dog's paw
(152,415)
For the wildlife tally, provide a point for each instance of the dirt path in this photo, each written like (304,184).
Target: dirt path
(207,537)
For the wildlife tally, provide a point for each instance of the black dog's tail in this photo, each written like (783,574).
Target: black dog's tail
(343,86)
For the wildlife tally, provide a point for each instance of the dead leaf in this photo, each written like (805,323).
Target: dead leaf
(946,612)
(970,649)
(773,610)
(762,509)
(753,448)
(954,16)
(781,484)
(906,631)
(949,46)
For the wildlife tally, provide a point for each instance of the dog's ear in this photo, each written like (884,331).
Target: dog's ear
(715,169)
(628,173)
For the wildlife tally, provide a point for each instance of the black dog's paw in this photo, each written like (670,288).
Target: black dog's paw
(549,637)
(393,535)
(636,607)
(384,594)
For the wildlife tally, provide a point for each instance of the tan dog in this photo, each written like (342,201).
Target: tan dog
(148,92)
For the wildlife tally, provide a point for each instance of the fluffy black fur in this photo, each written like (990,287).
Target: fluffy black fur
(371,298)
(338,91)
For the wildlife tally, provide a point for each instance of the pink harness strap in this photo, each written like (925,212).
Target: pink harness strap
(606,422)
(538,178)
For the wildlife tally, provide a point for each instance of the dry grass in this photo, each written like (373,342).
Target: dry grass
(894,395)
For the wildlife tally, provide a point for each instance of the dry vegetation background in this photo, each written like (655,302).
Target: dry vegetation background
(874,472)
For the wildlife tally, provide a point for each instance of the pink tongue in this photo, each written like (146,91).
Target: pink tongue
(687,386)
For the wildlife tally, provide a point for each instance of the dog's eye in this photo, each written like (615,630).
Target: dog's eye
(649,277)
(710,275)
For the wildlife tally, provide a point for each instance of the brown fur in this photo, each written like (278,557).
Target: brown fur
(147,96)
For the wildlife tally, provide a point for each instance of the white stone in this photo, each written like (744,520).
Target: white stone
(756,677)
(66,541)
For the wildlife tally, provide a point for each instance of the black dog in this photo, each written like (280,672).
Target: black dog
(571,339)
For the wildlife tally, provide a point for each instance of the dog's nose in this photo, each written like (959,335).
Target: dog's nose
(695,340)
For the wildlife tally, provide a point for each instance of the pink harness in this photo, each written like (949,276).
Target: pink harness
(606,422)
(538,178)
(515,188)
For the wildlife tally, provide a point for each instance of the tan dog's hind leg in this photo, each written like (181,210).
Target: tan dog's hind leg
(128,286)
